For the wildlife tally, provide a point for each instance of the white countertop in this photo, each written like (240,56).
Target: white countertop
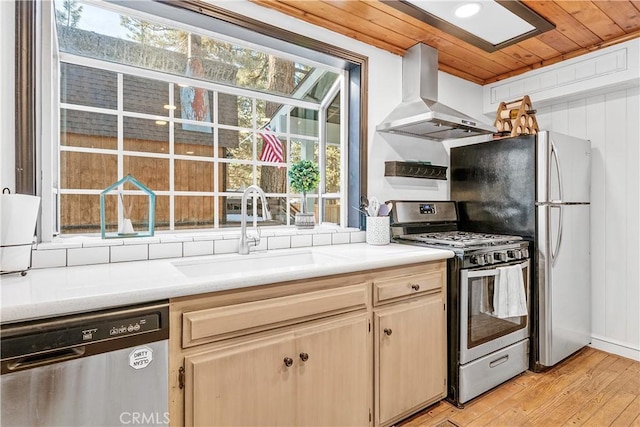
(66,290)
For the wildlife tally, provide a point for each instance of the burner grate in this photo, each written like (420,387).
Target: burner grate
(462,239)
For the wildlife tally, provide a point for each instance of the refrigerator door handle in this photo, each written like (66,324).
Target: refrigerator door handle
(554,154)
(556,250)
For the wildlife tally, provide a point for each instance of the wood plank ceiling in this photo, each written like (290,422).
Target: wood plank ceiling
(581,27)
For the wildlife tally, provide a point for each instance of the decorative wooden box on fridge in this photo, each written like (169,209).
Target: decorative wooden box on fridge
(516,118)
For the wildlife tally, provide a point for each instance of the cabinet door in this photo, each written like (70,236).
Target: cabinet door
(246,384)
(333,365)
(410,356)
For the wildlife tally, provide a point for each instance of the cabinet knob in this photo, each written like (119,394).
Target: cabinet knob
(415,287)
(288,361)
(304,357)
(388,331)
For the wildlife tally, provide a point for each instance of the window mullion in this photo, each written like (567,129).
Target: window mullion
(120,103)
(322,161)
(254,157)
(344,149)
(172,160)
(216,162)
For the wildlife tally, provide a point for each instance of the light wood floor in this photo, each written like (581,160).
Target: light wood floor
(591,388)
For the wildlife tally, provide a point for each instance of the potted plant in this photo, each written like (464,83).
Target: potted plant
(304,177)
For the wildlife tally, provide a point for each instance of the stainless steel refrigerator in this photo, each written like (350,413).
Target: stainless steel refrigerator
(537,186)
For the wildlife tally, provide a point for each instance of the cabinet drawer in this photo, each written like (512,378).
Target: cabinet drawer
(409,285)
(218,323)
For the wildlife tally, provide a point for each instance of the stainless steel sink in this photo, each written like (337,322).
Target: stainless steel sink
(255,263)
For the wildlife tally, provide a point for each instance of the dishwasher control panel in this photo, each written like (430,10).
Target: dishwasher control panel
(122,327)
(119,327)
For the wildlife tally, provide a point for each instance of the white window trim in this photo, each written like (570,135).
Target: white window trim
(48,121)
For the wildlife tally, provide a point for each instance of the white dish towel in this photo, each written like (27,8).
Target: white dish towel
(509,299)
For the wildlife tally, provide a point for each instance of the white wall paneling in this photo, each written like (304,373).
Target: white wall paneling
(598,72)
(632,218)
(610,121)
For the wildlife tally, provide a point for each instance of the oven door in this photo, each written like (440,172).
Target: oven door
(482,333)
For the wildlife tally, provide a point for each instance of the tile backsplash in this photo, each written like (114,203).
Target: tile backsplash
(82,250)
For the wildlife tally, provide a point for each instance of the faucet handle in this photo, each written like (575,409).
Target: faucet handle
(254,240)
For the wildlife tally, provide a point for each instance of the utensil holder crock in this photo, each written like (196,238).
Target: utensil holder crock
(378,231)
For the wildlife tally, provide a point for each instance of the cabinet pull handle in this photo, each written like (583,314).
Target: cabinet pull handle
(288,362)
(304,357)
(388,331)
(415,287)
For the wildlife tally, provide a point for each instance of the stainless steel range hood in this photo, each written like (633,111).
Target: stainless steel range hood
(420,114)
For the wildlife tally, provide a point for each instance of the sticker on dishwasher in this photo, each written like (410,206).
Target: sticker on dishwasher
(140,357)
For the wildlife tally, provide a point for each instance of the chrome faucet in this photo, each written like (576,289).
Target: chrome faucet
(246,242)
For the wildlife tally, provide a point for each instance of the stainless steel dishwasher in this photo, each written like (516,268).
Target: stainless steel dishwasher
(105,368)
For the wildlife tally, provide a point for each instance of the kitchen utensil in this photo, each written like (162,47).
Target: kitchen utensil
(384,210)
(364,203)
(361,210)
(374,206)
(389,207)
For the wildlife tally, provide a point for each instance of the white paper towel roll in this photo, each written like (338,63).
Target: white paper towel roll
(18,215)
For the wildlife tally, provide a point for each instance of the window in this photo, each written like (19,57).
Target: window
(193,115)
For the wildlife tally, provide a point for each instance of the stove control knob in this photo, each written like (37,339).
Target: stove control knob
(478,259)
(514,253)
(525,253)
(489,258)
(501,256)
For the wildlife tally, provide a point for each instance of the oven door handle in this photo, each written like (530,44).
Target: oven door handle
(493,271)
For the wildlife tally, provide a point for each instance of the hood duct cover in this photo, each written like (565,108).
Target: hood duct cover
(420,114)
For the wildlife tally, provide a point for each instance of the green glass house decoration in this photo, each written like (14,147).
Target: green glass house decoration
(126,215)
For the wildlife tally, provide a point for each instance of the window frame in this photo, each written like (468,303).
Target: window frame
(355,154)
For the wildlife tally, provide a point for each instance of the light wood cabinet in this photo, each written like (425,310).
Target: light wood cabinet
(311,352)
(314,375)
(410,342)
(214,324)
(410,350)
(246,384)
(334,385)
(408,285)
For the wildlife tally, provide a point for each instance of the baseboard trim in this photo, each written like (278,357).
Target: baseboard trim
(616,347)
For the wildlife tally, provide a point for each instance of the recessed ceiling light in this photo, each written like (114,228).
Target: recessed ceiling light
(467,10)
(169,107)
(517,21)
(161,122)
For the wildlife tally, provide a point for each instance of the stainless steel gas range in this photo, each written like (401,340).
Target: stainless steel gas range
(487,296)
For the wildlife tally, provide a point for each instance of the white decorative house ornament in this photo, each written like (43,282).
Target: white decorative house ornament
(117,209)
